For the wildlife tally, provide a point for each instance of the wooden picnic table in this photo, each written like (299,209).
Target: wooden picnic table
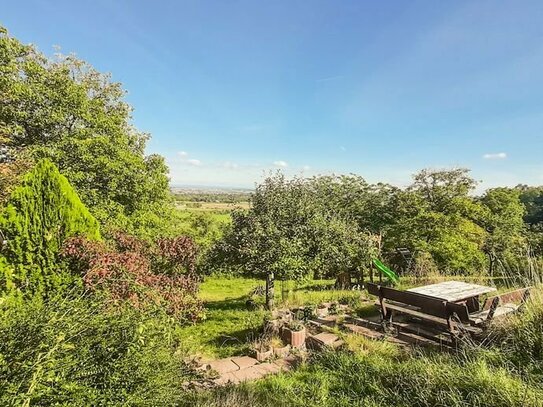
(456,291)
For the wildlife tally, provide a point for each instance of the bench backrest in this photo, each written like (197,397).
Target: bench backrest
(517,296)
(427,304)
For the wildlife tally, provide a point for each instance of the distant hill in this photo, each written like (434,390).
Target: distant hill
(202,189)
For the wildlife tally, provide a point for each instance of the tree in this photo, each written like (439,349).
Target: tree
(293,231)
(532,199)
(436,214)
(505,225)
(40,215)
(63,109)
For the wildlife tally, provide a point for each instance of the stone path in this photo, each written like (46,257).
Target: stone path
(235,370)
(240,369)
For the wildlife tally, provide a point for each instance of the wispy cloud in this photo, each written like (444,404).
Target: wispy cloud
(306,168)
(183,154)
(280,163)
(495,156)
(329,78)
(194,162)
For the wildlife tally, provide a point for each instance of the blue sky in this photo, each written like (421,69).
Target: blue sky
(232,89)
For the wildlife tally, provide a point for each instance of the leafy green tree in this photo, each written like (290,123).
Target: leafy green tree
(436,214)
(506,239)
(63,109)
(292,231)
(532,199)
(40,215)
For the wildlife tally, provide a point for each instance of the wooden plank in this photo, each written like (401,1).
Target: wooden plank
(426,304)
(418,314)
(452,290)
(483,316)
(436,335)
(517,296)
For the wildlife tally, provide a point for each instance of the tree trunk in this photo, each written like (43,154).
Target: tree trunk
(269,290)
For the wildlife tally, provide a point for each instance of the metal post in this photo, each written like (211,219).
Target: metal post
(269,290)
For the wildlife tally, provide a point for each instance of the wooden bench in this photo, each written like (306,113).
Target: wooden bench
(501,305)
(430,309)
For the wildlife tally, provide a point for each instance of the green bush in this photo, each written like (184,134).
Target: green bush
(520,338)
(73,353)
(40,214)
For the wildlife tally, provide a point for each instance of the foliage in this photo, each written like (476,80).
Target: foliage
(220,197)
(505,225)
(63,109)
(532,199)
(521,338)
(436,214)
(40,215)
(13,165)
(142,275)
(77,353)
(292,232)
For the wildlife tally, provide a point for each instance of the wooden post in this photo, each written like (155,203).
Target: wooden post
(269,290)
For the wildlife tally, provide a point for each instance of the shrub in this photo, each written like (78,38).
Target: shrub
(520,337)
(40,215)
(128,272)
(76,353)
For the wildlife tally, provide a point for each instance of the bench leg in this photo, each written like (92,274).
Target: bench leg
(525,298)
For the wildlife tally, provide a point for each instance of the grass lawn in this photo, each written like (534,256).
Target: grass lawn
(505,372)
(230,327)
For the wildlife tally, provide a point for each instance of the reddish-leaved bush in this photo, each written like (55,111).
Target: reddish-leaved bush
(143,275)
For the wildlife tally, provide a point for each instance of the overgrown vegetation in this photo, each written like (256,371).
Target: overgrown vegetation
(100,273)
(328,225)
(73,352)
(376,376)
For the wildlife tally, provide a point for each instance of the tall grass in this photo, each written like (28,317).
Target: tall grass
(75,353)
(506,371)
(384,378)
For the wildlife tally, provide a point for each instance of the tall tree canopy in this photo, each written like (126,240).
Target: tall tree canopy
(326,225)
(63,109)
(296,230)
(437,214)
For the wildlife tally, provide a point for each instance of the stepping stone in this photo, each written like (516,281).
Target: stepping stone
(251,373)
(326,338)
(286,363)
(244,362)
(337,344)
(226,378)
(222,366)
(267,368)
(321,340)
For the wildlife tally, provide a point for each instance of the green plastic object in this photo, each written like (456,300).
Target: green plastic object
(392,276)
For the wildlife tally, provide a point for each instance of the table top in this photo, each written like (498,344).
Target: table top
(453,290)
